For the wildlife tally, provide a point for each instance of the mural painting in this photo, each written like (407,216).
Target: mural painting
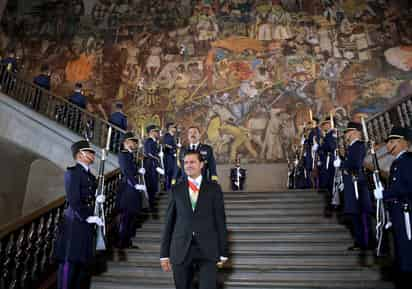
(246,72)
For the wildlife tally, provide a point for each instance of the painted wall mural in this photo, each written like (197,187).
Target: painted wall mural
(246,72)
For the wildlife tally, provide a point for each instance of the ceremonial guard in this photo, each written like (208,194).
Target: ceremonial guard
(130,190)
(311,145)
(237,176)
(398,199)
(80,100)
(152,163)
(326,153)
(119,119)
(170,149)
(357,202)
(42,80)
(206,151)
(75,241)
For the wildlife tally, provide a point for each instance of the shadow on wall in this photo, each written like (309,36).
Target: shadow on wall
(28,182)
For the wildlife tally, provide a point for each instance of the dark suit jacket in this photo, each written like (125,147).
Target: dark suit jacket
(207,223)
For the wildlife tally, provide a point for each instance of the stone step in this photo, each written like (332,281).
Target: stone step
(268,213)
(269,247)
(124,270)
(336,252)
(317,262)
(257,228)
(247,220)
(131,283)
(256,201)
(271,195)
(246,206)
(263,237)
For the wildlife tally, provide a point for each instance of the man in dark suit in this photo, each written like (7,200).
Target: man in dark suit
(195,232)
(206,152)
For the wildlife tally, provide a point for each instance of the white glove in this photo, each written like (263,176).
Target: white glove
(378,192)
(319,163)
(315,147)
(142,171)
(161,154)
(337,162)
(302,141)
(179,145)
(160,171)
(100,199)
(140,187)
(95,220)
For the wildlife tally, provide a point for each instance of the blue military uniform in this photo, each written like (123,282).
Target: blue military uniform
(398,199)
(119,119)
(170,148)
(129,198)
(326,157)
(209,168)
(358,209)
(42,80)
(309,159)
(80,100)
(151,162)
(75,243)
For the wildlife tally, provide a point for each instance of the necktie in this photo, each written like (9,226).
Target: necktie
(194,194)
(193,147)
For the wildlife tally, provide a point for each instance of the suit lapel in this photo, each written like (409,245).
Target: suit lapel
(186,197)
(202,192)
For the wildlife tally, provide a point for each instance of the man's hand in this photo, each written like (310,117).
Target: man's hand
(142,171)
(222,261)
(100,199)
(165,264)
(160,171)
(95,220)
(140,187)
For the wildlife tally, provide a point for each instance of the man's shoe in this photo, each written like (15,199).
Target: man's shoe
(354,248)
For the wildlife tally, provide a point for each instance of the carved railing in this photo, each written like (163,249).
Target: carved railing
(27,245)
(59,109)
(398,114)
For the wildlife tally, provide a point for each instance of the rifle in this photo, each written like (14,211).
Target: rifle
(337,178)
(380,209)
(99,207)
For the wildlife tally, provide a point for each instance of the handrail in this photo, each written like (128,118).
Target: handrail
(59,109)
(398,114)
(27,245)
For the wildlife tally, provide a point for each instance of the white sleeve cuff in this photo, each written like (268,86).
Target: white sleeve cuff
(164,259)
(223,259)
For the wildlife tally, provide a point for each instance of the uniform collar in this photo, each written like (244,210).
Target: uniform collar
(194,144)
(197,181)
(355,140)
(86,167)
(400,154)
